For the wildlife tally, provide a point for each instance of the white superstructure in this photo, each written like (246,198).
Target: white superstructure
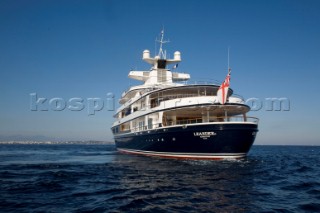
(164,99)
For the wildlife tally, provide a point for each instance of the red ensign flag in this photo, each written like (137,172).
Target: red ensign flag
(223,90)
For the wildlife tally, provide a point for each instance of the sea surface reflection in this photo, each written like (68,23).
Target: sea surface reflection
(96,178)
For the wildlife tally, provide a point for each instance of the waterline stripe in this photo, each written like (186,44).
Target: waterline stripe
(200,156)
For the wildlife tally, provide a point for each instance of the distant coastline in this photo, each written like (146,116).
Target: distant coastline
(94,142)
(58,142)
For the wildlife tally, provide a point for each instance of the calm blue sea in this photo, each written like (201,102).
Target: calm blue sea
(95,178)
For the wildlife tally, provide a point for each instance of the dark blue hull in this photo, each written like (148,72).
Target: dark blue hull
(207,141)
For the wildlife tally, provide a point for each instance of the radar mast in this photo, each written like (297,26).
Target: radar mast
(162,53)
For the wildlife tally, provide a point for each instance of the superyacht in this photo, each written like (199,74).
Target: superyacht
(167,116)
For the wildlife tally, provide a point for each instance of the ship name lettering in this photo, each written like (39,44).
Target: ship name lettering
(204,133)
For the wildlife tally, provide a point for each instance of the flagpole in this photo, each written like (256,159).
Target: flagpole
(229,70)
(222,93)
(228,59)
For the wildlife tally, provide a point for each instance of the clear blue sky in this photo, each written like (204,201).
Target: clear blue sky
(85,49)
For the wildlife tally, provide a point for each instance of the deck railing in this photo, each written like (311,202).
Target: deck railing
(217,119)
(202,82)
(159,99)
(229,119)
